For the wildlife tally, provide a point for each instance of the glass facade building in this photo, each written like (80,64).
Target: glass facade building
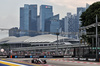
(38,23)
(33,19)
(22,18)
(80,10)
(55,23)
(47,25)
(28,20)
(26,17)
(62,25)
(52,24)
(71,25)
(67,20)
(45,13)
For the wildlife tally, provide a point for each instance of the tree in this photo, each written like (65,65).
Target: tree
(89,17)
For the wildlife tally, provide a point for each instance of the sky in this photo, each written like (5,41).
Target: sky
(10,9)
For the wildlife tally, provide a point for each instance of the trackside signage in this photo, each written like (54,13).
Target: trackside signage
(75,58)
(91,59)
(35,57)
(4,56)
(67,56)
(83,59)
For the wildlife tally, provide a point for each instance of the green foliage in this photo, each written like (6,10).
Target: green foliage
(89,17)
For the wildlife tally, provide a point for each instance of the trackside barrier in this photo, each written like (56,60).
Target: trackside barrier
(17,56)
(37,56)
(86,59)
(79,59)
(11,56)
(99,59)
(4,56)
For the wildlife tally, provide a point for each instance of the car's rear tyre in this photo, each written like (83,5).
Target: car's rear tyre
(32,61)
(44,61)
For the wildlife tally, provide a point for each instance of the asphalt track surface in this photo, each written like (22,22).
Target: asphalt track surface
(52,62)
(72,63)
(5,62)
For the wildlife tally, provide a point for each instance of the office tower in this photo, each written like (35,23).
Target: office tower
(28,20)
(26,17)
(80,10)
(52,24)
(55,24)
(67,20)
(62,24)
(21,18)
(22,23)
(87,5)
(33,20)
(47,25)
(75,23)
(61,30)
(38,23)
(71,25)
(45,13)
(14,32)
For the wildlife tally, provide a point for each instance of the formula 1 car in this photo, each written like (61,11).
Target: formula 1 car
(38,61)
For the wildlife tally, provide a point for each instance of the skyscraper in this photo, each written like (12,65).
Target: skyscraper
(52,24)
(28,19)
(80,10)
(33,19)
(67,20)
(45,13)
(21,18)
(47,25)
(55,23)
(38,23)
(87,5)
(62,24)
(71,25)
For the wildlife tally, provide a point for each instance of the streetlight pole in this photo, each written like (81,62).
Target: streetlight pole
(79,43)
(96,37)
(9,51)
(57,41)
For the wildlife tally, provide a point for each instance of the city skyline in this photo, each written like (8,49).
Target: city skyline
(10,14)
(48,21)
(66,31)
